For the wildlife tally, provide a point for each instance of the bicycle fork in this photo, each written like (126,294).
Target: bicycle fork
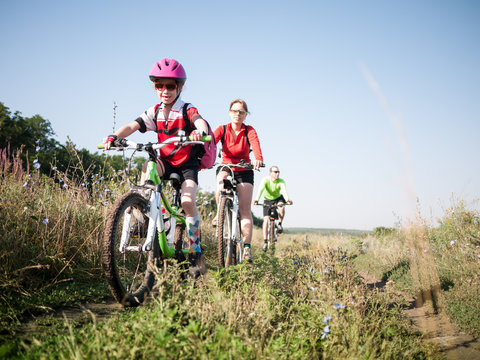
(155,222)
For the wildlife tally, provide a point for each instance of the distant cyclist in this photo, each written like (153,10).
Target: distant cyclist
(274,191)
(236,138)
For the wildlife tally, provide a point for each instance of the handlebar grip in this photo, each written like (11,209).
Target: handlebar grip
(206,138)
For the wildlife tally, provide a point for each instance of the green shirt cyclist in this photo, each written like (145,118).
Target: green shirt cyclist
(274,191)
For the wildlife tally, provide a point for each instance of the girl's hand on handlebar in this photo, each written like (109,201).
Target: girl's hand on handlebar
(255,202)
(289,202)
(108,141)
(196,135)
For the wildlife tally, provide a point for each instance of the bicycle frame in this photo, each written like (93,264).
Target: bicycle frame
(157,199)
(272,217)
(156,223)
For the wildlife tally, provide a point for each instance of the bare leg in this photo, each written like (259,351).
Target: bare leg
(281,213)
(265,225)
(245,193)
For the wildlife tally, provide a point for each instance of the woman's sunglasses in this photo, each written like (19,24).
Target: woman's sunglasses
(160,86)
(241,112)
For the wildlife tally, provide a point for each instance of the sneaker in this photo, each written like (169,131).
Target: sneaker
(197,264)
(265,246)
(279,227)
(247,254)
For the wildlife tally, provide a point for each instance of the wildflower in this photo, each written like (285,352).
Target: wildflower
(37,149)
(37,165)
(311,269)
(48,198)
(25,184)
(313,288)
(251,314)
(338,306)
(37,141)
(35,161)
(326,319)
(327,270)
(45,221)
(452,242)
(326,330)
(210,213)
(54,168)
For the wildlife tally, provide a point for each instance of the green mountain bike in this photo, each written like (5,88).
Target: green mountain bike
(137,236)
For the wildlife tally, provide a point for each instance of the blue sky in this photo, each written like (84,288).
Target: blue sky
(365,106)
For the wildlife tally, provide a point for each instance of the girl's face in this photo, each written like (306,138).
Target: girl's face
(237,113)
(167,90)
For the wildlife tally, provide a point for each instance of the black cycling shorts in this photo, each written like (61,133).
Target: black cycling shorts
(244,176)
(187,171)
(268,203)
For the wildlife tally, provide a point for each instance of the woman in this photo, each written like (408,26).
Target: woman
(236,138)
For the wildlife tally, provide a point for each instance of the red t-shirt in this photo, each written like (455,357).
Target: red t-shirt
(236,148)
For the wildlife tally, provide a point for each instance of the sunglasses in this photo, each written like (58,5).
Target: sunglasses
(276,172)
(160,86)
(241,112)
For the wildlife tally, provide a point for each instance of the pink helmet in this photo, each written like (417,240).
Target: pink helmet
(168,68)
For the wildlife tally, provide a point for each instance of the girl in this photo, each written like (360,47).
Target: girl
(166,119)
(236,139)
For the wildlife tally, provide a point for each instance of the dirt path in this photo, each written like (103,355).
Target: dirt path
(87,312)
(436,327)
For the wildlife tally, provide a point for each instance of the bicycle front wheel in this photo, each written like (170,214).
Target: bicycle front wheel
(224,233)
(272,235)
(130,272)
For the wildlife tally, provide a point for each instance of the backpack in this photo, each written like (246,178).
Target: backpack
(246,137)
(207,153)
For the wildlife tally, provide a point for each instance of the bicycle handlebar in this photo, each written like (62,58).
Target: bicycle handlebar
(123,144)
(278,204)
(241,164)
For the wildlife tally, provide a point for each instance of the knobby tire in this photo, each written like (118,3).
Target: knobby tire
(272,235)
(131,275)
(224,236)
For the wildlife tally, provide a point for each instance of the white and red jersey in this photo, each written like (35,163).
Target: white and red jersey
(166,128)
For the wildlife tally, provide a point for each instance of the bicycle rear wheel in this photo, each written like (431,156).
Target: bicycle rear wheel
(224,234)
(130,272)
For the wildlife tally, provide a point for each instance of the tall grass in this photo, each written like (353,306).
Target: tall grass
(51,232)
(307,303)
(437,265)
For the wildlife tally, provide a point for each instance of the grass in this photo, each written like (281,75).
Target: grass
(307,301)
